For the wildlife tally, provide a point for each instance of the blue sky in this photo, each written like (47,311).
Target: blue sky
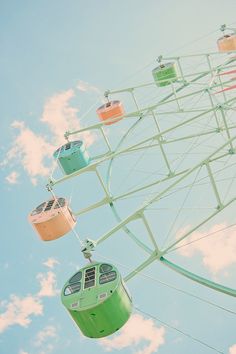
(57,58)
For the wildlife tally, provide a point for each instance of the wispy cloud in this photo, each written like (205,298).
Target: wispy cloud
(45,334)
(60,117)
(45,340)
(48,284)
(136,331)
(33,150)
(51,262)
(18,311)
(213,258)
(232,350)
(13,177)
(86,87)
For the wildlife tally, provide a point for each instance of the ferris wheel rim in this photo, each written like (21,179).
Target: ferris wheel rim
(116,153)
(120,143)
(229,291)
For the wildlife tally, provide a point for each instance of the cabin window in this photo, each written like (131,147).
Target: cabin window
(60,203)
(58,151)
(67,146)
(107,277)
(77,277)
(78,142)
(72,288)
(49,205)
(89,280)
(105,268)
(39,209)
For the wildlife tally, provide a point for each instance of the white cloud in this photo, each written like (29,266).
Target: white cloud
(232,350)
(18,311)
(48,284)
(33,151)
(85,87)
(12,178)
(47,349)
(51,262)
(217,251)
(45,340)
(45,334)
(137,330)
(34,181)
(23,352)
(59,115)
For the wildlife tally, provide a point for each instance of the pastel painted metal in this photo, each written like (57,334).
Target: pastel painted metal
(112,111)
(97,300)
(164,74)
(72,157)
(227,43)
(52,219)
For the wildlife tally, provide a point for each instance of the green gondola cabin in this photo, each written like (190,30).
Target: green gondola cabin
(165,74)
(97,300)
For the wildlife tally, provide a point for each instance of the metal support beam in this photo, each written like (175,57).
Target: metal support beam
(175,95)
(120,225)
(212,105)
(93,206)
(198,279)
(150,233)
(160,139)
(226,128)
(142,266)
(180,69)
(171,247)
(135,100)
(106,140)
(102,183)
(214,186)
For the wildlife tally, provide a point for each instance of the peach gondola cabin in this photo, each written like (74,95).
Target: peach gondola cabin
(111,112)
(52,219)
(227,42)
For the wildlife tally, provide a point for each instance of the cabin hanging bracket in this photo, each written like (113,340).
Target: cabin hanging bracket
(88,247)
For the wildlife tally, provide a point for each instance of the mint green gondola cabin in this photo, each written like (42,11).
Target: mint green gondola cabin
(72,157)
(97,300)
(164,74)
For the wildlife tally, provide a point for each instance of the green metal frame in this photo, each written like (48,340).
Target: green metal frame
(158,140)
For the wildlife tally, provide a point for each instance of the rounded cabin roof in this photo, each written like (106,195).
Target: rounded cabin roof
(227,36)
(68,148)
(46,209)
(109,105)
(90,285)
(163,67)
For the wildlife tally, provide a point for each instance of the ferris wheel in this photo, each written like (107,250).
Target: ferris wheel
(163,163)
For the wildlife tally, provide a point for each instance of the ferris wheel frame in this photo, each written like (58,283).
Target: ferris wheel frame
(149,112)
